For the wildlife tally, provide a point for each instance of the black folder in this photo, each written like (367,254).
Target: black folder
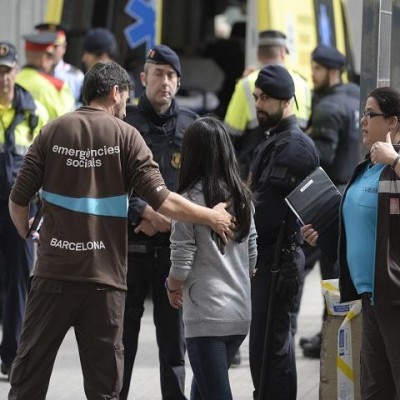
(316,201)
(37,221)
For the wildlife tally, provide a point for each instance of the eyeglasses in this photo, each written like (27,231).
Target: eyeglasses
(371,114)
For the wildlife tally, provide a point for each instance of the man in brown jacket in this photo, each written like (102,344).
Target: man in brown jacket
(86,164)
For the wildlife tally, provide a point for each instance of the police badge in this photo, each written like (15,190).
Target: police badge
(176,160)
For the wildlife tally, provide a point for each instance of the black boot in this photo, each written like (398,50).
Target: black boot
(5,370)
(308,339)
(312,348)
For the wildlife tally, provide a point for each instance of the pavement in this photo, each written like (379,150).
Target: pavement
(66,382)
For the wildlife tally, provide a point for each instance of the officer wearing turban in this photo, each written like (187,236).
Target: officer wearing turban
(284,158)
(241,118)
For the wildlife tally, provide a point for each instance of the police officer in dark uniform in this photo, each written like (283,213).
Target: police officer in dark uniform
(283,159)
(334,128)
(334,124)
(162,124)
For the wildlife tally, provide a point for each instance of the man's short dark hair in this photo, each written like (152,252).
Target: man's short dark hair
(101,78)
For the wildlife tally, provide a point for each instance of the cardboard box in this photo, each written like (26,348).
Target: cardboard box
(340,357)
(330,291)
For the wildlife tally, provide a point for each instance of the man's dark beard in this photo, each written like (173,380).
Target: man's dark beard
(324,85)
(267,122)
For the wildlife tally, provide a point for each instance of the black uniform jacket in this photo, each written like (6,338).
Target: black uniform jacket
(282,160)
(163,133)
(335,130)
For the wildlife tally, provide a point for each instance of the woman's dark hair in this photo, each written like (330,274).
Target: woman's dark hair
(101,78)
(208,156)
(388,100)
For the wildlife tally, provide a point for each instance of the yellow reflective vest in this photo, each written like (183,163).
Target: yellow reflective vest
(19,125)
(53,93)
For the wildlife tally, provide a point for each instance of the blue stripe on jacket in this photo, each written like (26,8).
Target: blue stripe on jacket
(116,206)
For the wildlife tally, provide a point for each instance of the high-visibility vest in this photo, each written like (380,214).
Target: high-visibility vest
(53,93)
(19,125)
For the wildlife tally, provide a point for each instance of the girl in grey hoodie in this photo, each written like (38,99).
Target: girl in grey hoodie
(209,278)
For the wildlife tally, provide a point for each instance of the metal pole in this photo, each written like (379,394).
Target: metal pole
(369,52)
(251,34)
(394,48)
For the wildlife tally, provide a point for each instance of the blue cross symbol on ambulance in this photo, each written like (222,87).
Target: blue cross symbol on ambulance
(144,29)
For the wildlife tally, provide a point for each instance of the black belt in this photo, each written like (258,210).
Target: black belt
(145,248)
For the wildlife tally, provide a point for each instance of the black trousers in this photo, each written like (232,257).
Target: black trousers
(281,376)
(148,272)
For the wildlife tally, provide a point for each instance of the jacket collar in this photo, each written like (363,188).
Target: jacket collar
(23,100)
(283,125)
(158,119)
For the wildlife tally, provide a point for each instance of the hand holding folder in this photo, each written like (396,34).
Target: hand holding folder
(36,224)
(316,201)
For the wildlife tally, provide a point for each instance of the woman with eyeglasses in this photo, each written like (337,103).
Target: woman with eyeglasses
(369,245)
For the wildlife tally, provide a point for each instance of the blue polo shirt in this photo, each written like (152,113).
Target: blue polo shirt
(359,220)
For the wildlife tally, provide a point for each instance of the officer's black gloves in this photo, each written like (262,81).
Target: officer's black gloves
(288,281)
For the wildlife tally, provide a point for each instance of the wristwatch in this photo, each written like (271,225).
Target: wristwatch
(395,162)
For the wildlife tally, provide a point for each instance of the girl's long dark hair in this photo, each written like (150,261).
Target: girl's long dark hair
(208,156)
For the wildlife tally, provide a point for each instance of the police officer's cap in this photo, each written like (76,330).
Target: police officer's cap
(52,27)
(41,42)
(8,54)
(328,57)
(272,37)
(275,81)
(100,40)
(163,54)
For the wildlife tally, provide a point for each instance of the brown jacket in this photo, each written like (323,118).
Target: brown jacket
(87,162)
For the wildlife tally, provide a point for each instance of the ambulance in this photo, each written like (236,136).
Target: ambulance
(192,26)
